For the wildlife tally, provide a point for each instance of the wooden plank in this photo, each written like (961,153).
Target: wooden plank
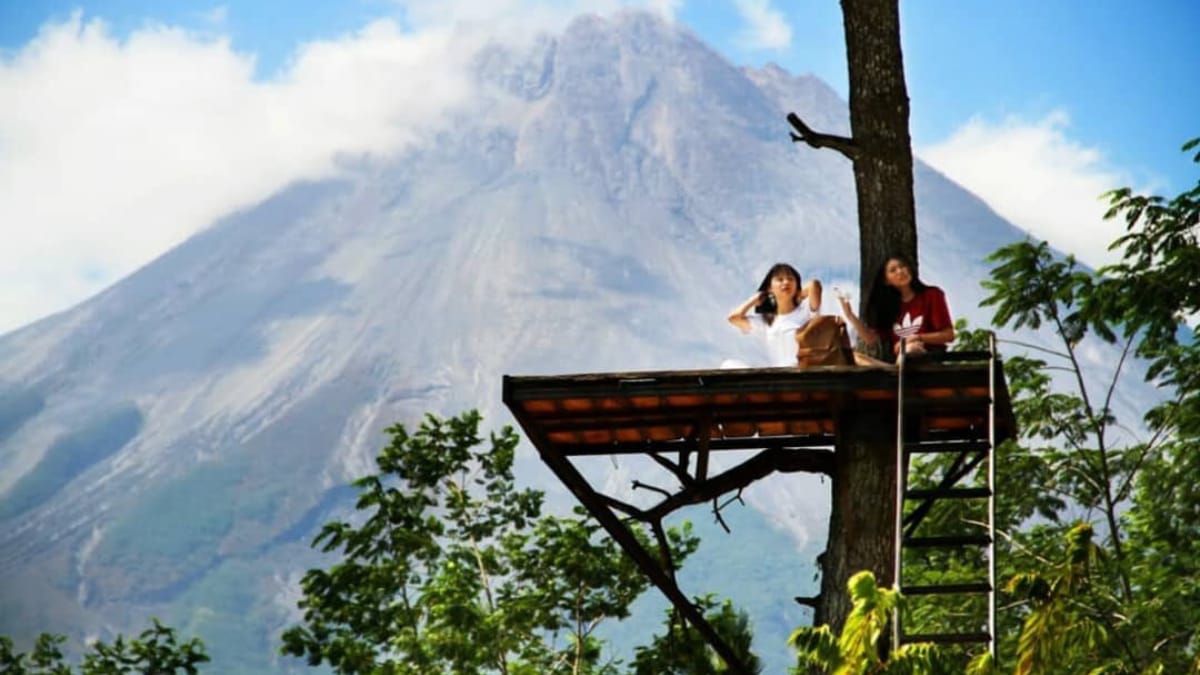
(642,447)
(540,406)
(645,402)
(663,405)
(577,404)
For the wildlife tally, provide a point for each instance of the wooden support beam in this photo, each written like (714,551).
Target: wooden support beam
(578,485)
(704,436)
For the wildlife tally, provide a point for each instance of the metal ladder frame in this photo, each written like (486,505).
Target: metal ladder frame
(902,457)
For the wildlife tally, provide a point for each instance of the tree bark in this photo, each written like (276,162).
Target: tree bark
(883,165)
(863,510)
(864,483)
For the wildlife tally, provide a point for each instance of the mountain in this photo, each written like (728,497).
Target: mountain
(170,446)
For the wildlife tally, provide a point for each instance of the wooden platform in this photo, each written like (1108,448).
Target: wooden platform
(666,411)
(792,416)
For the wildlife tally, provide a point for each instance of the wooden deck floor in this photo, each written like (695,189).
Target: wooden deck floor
(662,411)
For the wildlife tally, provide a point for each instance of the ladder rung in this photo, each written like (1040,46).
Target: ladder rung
(948,493)
(949,435)
(947,638)
(947,589)
(959,356)
(944,446)
(946,402)
(947,541)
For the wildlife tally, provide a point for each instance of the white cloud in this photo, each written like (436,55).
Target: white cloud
(766,27)
(1034,175)
(112,150)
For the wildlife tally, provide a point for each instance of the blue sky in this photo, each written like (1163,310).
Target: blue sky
(1036,105)
(1127,74)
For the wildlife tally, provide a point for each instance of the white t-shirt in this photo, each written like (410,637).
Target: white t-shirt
(780,336)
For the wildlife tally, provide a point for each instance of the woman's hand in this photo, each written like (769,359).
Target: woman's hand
(912,345)
(864,331)
(812,292)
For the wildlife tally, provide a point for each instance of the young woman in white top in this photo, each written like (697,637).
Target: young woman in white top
(795,304)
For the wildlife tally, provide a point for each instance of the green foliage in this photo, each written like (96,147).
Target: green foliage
(45,659)
(451,568)
(683,651)
(1125,603)
(156,651)
(1059,629)
(1159,279)
(1070,626)
(1121,600)
(857,650)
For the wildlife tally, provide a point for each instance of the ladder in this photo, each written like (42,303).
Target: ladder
(947,512)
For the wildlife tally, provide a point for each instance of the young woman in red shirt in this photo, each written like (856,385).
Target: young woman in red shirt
(902,306)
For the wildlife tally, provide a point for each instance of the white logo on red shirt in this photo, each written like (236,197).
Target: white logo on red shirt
(907,326)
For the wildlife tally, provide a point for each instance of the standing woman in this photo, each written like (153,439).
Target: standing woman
(794,305)
(902,306)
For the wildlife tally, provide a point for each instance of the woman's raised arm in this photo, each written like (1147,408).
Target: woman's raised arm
(812,291)
(865,332)
(737,315)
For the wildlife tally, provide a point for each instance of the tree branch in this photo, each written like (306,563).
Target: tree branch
(846,146)
(680,471)
(639,484)
(627,509)
(808,601)
(664,550)
(1033,346)
(1151,446)
(783,460)
(718,507)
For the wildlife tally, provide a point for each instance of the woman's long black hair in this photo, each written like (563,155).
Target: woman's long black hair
(883,306)
(765,286)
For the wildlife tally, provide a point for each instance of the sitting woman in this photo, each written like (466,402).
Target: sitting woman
(902,306)
(781,306)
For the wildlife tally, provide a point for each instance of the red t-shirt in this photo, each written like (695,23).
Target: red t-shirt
(927,312)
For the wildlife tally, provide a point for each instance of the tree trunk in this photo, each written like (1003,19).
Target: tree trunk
(863,509)
(861,519)
(883,166)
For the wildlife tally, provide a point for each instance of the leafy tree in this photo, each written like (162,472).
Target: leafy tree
(1124,603)
(1062,630)
(857,650)
(155,652)
(451,568)
(1160,275)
